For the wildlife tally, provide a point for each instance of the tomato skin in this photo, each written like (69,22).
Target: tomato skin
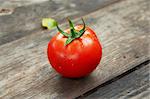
(77,59)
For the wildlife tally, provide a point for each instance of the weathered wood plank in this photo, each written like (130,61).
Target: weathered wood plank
(27,19)
(135,85)
(18,3)
(124,32)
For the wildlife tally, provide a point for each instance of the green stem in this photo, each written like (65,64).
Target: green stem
(73,33)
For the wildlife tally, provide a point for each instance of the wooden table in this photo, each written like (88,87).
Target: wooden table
(123,27)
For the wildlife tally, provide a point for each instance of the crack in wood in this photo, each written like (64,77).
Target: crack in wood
(114,79)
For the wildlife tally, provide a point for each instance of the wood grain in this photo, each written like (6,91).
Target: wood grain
(26,19)
(123,29)
(134,84)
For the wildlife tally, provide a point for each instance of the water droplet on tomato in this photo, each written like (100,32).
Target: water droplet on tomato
(59,67)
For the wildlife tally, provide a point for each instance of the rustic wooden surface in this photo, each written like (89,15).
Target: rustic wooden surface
(134,84)
(123,29)
(26,20)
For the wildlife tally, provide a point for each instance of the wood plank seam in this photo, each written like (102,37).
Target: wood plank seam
(114,79)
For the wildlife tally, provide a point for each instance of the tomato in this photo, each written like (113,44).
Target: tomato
(77,57)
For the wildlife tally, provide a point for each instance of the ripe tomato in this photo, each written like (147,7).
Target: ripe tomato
(75,58)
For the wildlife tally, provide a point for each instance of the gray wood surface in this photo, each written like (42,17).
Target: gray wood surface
(26,19)
(134,85)
(123,29)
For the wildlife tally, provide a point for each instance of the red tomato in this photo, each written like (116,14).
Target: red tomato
(77,59)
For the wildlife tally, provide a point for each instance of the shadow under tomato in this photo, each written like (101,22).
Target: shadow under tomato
(70,86)
(58,87)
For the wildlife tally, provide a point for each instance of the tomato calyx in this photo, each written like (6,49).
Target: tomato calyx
(73,33)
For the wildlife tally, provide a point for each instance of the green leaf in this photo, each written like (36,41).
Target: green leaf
(73,32)
(49,23)
(82,30)
(69,40)
(71,24)
(62,32)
